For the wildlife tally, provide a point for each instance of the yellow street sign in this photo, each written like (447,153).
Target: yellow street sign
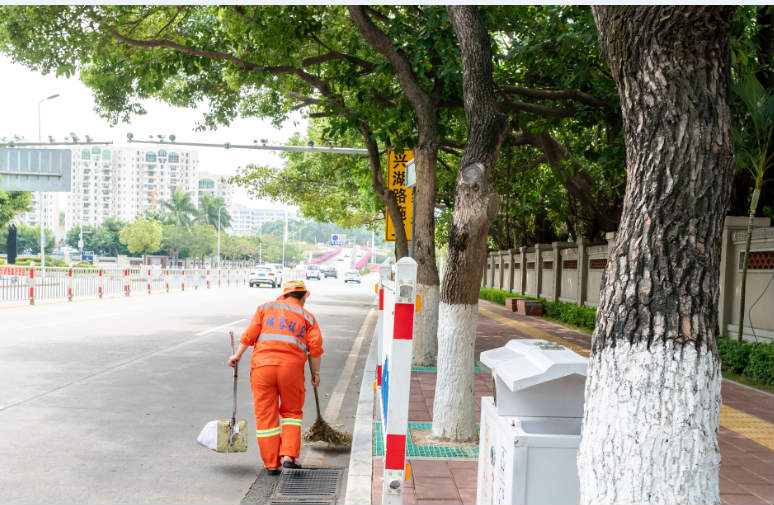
(396,181)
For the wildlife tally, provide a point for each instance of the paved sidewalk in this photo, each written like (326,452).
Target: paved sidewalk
(746,436)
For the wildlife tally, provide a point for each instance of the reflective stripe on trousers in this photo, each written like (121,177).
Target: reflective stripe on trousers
(267,433)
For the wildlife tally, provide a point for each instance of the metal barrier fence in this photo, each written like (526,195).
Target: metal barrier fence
(30,284)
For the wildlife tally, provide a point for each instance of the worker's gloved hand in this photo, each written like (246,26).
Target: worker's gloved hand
(316,379)
(233,360)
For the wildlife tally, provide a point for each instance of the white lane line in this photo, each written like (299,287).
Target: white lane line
(59,322)
(345,379)
(220,327)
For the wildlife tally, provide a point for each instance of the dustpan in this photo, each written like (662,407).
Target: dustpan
(229,435)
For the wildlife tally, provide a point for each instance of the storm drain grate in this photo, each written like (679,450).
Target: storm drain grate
(319,483)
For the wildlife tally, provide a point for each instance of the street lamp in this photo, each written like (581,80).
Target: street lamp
(40,194)
(219,209)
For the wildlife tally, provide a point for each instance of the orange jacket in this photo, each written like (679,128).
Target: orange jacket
(282,331)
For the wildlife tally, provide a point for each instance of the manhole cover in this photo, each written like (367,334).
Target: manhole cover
(317,483)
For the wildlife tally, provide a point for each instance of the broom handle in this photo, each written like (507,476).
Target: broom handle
(236,373)
(316,397)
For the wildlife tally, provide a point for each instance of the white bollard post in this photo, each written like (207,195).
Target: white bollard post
(101,283)
(127,282)
(149,281)
(209,280)
(384,277)
(70,285)
(396,383)
(166,279)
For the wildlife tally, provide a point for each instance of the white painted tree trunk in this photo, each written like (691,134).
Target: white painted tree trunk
(426,326)
(672,396)
(454,410)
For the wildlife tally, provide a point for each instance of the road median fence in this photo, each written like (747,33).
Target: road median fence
(25,284)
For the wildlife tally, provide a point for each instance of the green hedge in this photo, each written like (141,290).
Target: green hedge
(753,360)
(582,317)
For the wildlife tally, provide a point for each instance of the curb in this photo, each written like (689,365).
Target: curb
(359,475)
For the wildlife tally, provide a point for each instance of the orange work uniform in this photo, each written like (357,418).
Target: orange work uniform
(282,332)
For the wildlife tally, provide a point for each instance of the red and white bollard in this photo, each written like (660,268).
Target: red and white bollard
(166,279)
(149,281)
(384,276)
(398,342)
(31,282)
(127,283)
(182,280)
(70,285)
(208,279)
(101,281)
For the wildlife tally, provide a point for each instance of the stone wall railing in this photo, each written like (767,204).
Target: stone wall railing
(572,272)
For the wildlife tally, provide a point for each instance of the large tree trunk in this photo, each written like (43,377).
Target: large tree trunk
(426,320)
(475,205)
(425,154)
(653,390)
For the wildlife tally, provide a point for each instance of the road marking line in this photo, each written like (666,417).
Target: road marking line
(220,327)
(345,379)
(749,426)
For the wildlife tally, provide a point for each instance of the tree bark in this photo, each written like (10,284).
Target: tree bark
(426,160)
(653,390)
(475,205)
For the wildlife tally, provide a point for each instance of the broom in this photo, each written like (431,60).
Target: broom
(321,431)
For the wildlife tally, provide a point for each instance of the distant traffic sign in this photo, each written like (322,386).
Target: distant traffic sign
(87,256)
(35,169)
(337,239)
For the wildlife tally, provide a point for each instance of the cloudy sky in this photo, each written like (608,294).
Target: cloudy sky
(73,111)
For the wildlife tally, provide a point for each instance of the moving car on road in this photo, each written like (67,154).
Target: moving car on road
(352,276)
(330,272)
(264,274)
(313,272)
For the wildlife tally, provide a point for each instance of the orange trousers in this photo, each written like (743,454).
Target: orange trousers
(278,397)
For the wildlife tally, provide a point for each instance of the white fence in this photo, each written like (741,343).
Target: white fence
(395,328)
(572,272)
(30,284)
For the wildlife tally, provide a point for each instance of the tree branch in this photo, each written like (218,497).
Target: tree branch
(541,110)
(562,94)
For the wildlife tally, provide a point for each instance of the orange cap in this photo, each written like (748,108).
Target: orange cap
(293,286)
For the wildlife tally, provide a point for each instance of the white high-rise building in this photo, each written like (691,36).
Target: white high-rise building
(216,185)
(245,220)
(121,182)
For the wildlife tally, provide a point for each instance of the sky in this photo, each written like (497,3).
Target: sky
(73,111)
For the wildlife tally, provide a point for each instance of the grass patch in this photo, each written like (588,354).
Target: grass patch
(742,379)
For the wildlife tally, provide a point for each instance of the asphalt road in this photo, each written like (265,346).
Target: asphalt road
(101,401)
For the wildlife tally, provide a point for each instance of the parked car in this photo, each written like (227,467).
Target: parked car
(352,276)
(264,274)
(330,272)
(313,272)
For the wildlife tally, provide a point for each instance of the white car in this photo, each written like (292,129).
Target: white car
(264,274)
(352,276)
(313,272)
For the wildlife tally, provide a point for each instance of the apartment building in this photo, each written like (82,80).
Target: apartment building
(245,220)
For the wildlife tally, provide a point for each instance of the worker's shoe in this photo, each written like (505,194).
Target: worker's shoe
(273,471)
(288,462)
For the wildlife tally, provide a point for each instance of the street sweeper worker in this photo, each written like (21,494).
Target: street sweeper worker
(282,332)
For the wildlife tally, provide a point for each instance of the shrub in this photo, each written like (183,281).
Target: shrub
(734,355)
(583,317)
(494,295)
(761,363)
(753,360)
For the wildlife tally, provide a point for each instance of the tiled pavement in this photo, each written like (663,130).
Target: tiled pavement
(747,467)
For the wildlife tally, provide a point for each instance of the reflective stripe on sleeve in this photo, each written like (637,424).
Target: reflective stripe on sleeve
(267,433)
(283,338)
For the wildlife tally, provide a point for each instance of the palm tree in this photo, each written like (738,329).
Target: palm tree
(208,211)
(181,209)
(754,153)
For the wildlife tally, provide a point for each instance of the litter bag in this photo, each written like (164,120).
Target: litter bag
(215,434)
